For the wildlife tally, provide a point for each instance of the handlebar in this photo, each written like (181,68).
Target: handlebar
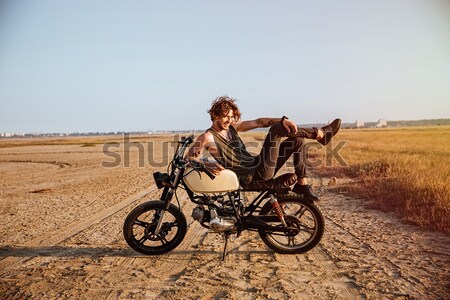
(187,140)
(201,167)
(208,172)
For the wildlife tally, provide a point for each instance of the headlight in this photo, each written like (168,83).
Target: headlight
(162,179)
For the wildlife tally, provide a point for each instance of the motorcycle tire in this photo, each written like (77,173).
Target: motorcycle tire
(304,217)
(140,225)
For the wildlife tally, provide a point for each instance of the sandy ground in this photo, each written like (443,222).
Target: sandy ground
(61,217)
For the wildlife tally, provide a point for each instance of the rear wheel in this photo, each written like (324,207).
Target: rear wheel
(140,224)
(305,223)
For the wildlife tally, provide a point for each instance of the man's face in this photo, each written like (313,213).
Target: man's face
(224,122)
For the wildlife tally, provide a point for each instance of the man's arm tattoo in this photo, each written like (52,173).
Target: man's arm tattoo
(268,123)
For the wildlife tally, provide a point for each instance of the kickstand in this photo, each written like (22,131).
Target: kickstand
(224,254)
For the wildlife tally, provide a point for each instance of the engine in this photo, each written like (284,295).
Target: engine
(200,214)
(217,223)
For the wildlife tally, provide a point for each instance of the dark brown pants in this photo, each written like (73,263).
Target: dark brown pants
(278,148)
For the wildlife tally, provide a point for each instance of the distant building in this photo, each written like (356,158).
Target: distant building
(381,123)
(359,124)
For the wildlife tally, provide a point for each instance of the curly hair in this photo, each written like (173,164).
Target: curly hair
(221,106)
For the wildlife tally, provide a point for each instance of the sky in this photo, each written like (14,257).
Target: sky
(110,65)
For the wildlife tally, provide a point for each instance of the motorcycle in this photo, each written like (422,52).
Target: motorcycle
(287,223)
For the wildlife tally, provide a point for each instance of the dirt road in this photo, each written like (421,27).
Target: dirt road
(61,215)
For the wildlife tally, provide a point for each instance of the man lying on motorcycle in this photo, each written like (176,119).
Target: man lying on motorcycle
(284,139)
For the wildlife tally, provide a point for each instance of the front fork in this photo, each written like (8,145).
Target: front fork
(166,198)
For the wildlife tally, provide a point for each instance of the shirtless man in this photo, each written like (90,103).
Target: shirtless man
(284,139)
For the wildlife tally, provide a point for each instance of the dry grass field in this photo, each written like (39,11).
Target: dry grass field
(406,170)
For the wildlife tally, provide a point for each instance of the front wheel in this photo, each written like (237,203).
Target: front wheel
(140,224)
(303,218)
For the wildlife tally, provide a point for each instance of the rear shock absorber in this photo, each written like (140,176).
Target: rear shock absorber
(277,209)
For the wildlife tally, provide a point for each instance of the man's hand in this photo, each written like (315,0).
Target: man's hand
(214,167)
(289,125)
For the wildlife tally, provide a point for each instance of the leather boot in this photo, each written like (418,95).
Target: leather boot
(306,191)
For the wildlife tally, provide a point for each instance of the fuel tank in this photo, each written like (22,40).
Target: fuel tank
(226,181)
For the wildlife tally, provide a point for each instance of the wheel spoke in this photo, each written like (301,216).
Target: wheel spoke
(171,224)
(141,223)
(163,240)
(142,240)
(299,214)
(277,234)
(291,241)
(308,229)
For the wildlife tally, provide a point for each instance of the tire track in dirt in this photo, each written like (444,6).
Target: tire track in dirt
(251,271)
(59,164)
(112,271)
(58,236)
